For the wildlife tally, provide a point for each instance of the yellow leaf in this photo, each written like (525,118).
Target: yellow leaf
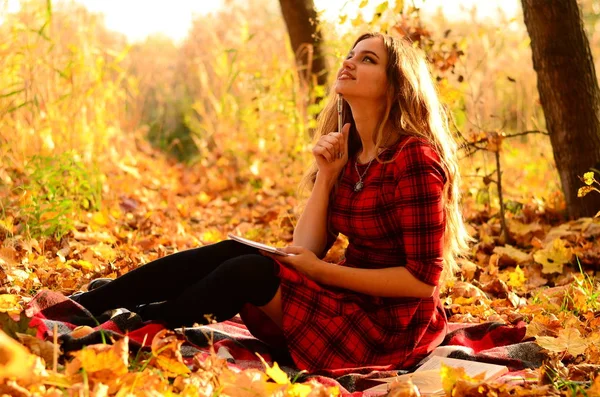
(516,279)
(211,236)
(381,8)
(553,257)
(255,167)
(105,252)
(171,366)
(39,347)
(512,252)
(17,362)
(594,390)
(105,362)
(588,178)
(297,389)
(275,372)
(99,219)
(584,190)
(7,224)
(342,19)
(204,198)
(10,304)
(81,264)
(166,349)
(363,3)
(451,375)
(357,21)
(568,340)
(58,380)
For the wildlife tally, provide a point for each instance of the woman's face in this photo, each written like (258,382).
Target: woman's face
(363,72)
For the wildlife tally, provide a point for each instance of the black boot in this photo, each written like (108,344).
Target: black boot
(97,283)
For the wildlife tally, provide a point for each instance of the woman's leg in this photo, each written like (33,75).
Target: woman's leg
(162,279)
(274,310)
(221,294)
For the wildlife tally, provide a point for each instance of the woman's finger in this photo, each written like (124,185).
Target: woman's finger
(326,150)
(292,249)
(280,258)
(336,139)
(322,152)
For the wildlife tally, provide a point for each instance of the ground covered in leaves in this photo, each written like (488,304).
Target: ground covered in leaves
(150,207)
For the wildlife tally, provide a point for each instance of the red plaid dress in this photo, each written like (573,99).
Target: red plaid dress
(396,220)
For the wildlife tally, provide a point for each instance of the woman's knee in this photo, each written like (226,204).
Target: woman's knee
(253,275)
(252,267)
(234,247)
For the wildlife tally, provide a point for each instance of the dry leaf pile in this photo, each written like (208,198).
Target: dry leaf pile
(153,207)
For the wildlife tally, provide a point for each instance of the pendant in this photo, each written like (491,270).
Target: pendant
(358,187)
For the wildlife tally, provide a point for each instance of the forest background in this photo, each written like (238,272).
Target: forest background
(116,153)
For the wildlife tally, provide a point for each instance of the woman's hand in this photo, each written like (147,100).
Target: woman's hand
(303,260)
(331,152)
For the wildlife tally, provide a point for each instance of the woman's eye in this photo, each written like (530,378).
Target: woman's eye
(368,59)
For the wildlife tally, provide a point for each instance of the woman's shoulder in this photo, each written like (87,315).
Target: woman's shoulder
(415,148)
(415,154)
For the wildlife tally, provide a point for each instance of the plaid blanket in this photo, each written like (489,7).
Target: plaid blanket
(490,342)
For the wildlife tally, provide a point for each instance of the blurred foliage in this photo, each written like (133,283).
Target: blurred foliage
(84,194)
(228,101)
(58,188)
(61,86)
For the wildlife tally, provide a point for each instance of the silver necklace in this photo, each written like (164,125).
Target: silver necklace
(359,185)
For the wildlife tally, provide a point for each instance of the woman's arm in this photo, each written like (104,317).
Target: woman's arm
(311,230)
(331,155)
(390,282)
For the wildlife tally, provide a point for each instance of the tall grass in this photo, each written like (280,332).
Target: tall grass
(229,100)
(61,84)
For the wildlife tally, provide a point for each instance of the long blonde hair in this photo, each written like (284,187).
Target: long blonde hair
(413,108)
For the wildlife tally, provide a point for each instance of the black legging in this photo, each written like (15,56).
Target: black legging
(214,280)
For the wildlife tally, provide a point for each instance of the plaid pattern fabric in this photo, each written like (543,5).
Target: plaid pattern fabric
(488,342)
(396,220)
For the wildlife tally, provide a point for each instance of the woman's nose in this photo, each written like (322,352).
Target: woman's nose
(348,63)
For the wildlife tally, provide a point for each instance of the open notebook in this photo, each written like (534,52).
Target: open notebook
(258,245)
(428,378)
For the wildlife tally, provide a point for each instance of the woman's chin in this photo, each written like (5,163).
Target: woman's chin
(339,89)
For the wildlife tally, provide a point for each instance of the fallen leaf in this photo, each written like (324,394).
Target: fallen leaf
(594,390)
(404,388)
(39,347)
(10,304)
(569,340)
(100,219)
(516,278)
(512,253)
(451,375)
(553,257)
(275,372)
(18,363)
(102,363)
(166,351)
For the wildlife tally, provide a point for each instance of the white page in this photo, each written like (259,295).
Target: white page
(258,245)
(472,368)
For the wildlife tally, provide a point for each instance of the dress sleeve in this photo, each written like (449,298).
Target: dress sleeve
(420,209)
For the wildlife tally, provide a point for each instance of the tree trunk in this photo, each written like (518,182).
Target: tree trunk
(302,24)
(569,94)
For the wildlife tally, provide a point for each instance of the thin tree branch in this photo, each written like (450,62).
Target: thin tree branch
(483,140)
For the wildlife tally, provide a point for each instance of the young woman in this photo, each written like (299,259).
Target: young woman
(389,181)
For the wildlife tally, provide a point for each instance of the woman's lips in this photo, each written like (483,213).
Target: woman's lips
(345,76)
